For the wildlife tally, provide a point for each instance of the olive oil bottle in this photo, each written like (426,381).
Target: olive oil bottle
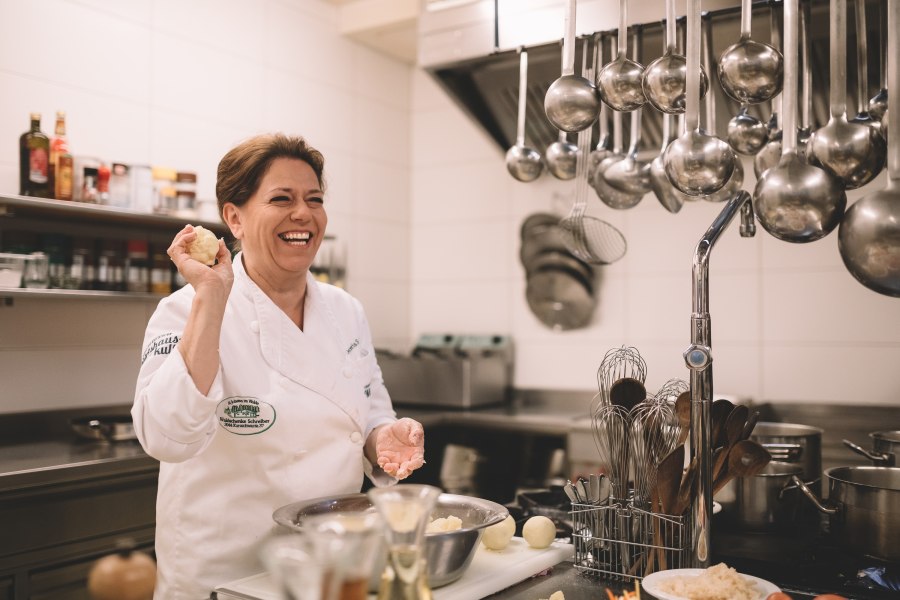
(34,161)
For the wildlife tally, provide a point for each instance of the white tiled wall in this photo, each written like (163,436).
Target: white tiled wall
(178,83)
(789,323)
(420,196)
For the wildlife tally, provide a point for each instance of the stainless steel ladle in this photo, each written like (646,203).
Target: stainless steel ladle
(561,157)
(522,162)
(609,195)
(697,163)
(664,78)
(851,152)
(750,71)
(671,199)
(770,154)
(746,133)
(572,102)
(620,82)
(862,79)
(869,236)
(795,201)
(604,142)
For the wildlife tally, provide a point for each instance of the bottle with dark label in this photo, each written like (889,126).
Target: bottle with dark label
(34,161)
(59,145)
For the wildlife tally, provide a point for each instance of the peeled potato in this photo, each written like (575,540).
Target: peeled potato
(557,596)
(496,537)
(539,532)
(204,247)
(441,524)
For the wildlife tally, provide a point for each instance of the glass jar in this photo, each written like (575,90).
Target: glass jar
(137,268)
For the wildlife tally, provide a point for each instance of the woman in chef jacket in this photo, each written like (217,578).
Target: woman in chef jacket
(259,385)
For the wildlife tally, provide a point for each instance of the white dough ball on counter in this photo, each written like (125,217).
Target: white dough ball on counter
(539,532)
(496,537)
(204,247)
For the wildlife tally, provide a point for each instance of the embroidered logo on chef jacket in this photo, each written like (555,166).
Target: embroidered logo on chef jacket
(245,415)
(161,344)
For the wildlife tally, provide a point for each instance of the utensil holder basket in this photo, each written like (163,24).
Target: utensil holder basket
(625,542)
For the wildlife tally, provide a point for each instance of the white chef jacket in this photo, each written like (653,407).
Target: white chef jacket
(285,420)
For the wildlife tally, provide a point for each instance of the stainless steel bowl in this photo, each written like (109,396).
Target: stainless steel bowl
(448,554)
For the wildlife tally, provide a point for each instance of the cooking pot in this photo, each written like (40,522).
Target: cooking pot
(886,446)
(864,509)
(795,444)
(769,500)
(107,428)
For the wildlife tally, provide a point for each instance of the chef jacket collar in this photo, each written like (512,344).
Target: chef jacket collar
(312,357)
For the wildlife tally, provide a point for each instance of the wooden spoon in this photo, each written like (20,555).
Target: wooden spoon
(627,393)
(683,412)
(750,425)
(746,459)
(686,489)
(668,479)
(718,414)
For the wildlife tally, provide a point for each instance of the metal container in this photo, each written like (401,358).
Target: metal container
(770,500)
(109,428)
(795,444)
(886,447)
(864,508)
(447,554)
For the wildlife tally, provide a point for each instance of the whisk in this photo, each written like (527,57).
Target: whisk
(618,363)
(671,390)
(610,424)
(653,434)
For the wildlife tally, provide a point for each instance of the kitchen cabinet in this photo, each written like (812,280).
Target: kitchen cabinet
(35,216)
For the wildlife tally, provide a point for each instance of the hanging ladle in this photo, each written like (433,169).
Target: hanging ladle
(734,183)
(851,152)
(604,142)
(869,236)
(572,102)
(746,133)
(562,157)
(664,78)
(609,195)
(522,162)
(862,79)
(697,163)
(750,71)
(878,103)
(671,199)
(795,201)
(620,81)
(770,154)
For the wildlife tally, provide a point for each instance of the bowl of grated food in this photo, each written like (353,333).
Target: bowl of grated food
(719,582)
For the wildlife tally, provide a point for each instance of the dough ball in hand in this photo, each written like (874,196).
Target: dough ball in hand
(539,532)
(496,537)
(204,247)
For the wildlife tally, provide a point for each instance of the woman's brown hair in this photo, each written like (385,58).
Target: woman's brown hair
(241,170)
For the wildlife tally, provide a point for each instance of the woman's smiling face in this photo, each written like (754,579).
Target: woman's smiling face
(282,225)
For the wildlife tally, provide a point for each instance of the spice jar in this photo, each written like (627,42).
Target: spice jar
(137,268)
(161,274)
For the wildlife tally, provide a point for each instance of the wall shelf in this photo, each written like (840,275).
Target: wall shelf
(8,294)
(14,206)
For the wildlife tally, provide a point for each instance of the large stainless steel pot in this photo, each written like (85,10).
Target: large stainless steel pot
(886,447)
(769,500)
(864,509)
(795,444)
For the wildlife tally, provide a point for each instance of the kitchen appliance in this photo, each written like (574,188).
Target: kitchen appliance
(450,371)
(105,428)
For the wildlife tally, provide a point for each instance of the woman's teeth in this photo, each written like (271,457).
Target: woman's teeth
(295,239)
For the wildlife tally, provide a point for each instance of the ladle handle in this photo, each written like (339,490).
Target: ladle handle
(671,35)
(634,133)
(568,50)
(617,132)
(775,41)
(746,18)
(604,109)
(806,57)
(708,65)
(862,60)
(666,131)
(692,79)
(623,28)
(789,108)
(523,91)
(837,59)
(893,81)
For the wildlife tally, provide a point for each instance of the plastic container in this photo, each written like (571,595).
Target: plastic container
(11,268)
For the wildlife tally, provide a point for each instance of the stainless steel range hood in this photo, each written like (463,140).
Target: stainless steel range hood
(473,55)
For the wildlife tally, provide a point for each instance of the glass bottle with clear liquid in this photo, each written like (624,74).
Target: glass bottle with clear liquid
(406,510)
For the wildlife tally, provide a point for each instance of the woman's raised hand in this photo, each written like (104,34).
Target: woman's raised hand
(400,447)
(199,275)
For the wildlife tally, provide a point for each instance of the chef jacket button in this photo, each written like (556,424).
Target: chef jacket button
(356,437)
(347,372)
(364,352)
(254,326)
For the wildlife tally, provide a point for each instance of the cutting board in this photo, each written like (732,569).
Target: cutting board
(489,572)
